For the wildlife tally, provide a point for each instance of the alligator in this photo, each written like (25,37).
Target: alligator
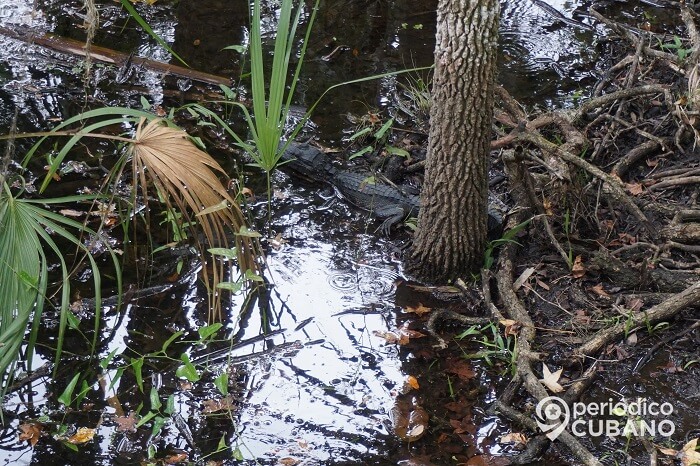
(385,201)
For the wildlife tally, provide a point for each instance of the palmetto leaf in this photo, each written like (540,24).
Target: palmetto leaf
(187,177)
(23,271)
(21,262)
(183,176)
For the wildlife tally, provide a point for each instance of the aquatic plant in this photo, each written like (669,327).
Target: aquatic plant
(272,97)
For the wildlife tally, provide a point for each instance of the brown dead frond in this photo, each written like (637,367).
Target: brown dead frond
(187,176)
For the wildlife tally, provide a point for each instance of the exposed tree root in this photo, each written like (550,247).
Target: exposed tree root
(525,357)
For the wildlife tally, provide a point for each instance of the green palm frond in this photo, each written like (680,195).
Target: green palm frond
(24,237)
(21,265)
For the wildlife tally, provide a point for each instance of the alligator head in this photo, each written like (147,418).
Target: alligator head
(307,161)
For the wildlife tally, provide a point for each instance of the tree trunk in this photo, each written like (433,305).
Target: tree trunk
(452,223)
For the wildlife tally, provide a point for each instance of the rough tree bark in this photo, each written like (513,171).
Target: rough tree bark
(452,223)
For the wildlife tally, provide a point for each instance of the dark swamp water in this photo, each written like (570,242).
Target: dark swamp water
(310,381)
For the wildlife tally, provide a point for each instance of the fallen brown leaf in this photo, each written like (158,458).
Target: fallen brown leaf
(401,335)
(486,460)
(578,270)
(634,304)
(83,435)
(626,238)
(71,213)
(621,353)
(551,379)
(176,458)
(523,278)
(634,189)
(217,404)
(412,382)
(598,289)
(581,317)
(514,437)
(542,284)
(30,432)
(409,420)
(277,242)
(419,310)
(288,461)
(461,367)
(185,385)
(548,210)
(512,327)
(667,451)
(443,438)
(465,425)
(690,454)
(127,423)
(671,368)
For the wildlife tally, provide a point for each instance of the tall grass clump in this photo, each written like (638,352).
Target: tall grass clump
(272,97)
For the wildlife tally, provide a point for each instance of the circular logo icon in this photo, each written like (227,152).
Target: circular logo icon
(552,416)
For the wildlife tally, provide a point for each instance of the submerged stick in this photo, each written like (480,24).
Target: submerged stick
(106,55)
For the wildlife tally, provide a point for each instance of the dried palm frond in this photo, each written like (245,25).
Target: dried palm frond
(187,176)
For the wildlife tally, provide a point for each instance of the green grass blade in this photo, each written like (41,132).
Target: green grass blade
(146,27)
(256,66)
(126,115)
(280,63)
(302,54)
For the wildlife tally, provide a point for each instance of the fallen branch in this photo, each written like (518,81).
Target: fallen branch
(615,190)
(109,56)
(634,156)
(675,182)
(608,99)
(663,311)
(632,35)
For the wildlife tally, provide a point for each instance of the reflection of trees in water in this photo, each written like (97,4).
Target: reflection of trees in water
(541,56)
